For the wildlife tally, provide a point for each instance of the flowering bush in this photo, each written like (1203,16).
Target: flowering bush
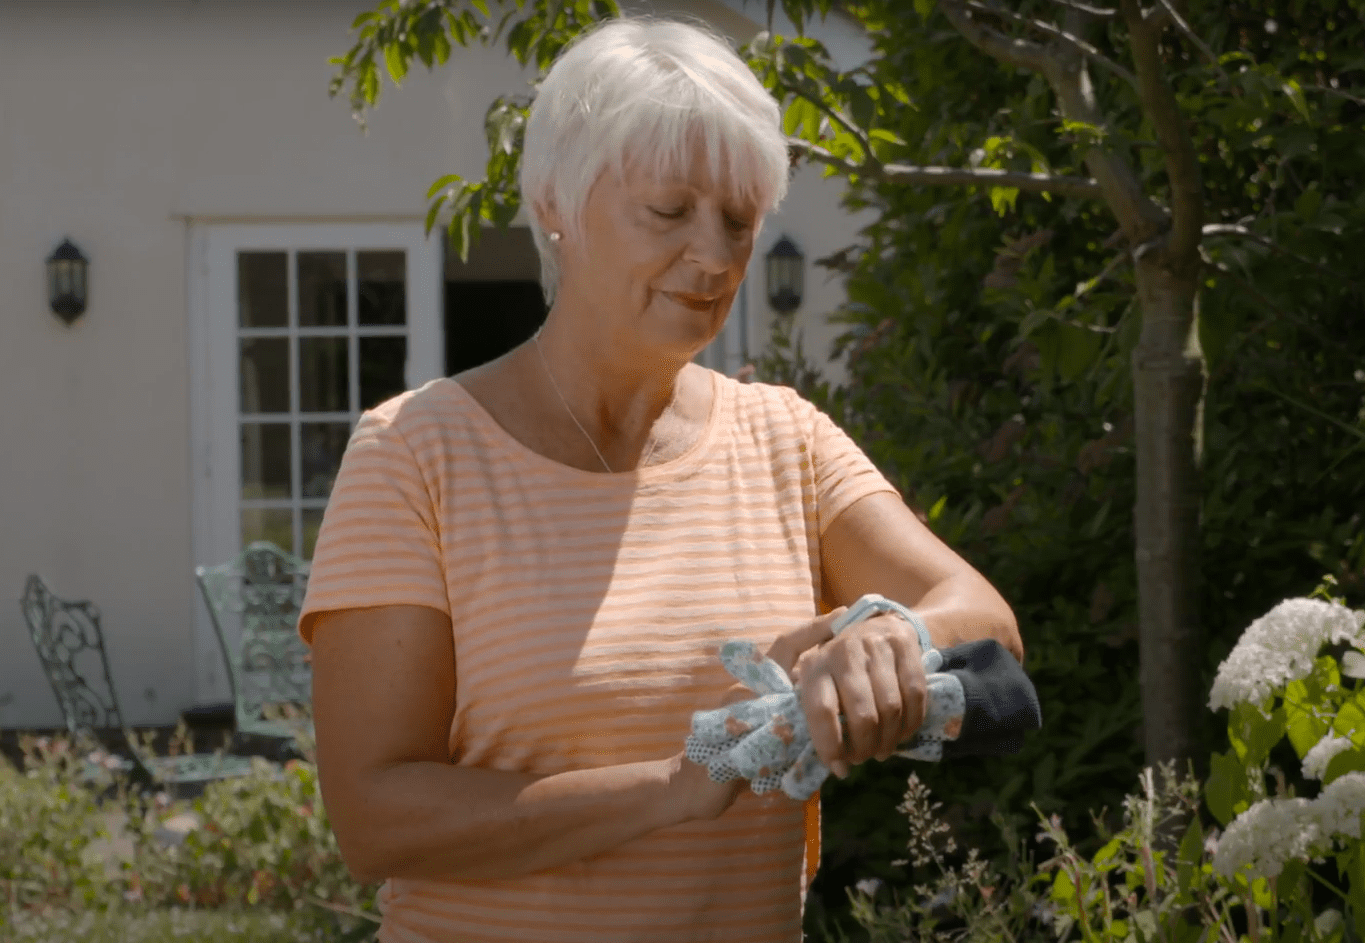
(1285,868)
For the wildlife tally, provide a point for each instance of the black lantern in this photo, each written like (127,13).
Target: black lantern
(786,276)
(66,281)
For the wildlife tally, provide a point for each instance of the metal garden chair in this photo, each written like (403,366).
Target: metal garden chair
(254,601)
(70,645)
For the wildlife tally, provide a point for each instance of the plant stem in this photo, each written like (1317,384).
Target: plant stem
(1253,917)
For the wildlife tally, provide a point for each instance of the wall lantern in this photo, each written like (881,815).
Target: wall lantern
(66,281)
(786,276)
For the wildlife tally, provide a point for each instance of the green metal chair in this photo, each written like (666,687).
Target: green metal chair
(260,594)
(70,646)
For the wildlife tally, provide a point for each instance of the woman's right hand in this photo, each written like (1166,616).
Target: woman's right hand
(700,798)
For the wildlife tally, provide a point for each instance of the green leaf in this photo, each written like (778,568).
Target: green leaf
(1228,790)
(1107,858)
(397,63)
(1076,351)
(1003,199)
(1063,888)
(1307,206)
(1295,95)
(1253,734)
(433,211)
(449,180)
(937,510)
(1347,761)
(924,8)
(1287,884)
(1356,875)
(1190,855)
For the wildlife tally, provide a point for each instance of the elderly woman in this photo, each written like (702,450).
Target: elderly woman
(526,570)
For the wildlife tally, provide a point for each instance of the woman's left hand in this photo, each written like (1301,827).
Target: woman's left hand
(870,673)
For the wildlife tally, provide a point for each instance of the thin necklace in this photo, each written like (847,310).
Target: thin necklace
(558,392)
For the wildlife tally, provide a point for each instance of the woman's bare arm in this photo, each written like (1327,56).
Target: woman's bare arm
(878,545)
(383,700)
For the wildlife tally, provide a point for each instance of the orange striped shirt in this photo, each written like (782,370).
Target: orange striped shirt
(587,610)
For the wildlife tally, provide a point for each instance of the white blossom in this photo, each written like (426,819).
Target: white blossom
(1274,831)
(1280,647)
(1267,835)
(1316,759)
(1338,808)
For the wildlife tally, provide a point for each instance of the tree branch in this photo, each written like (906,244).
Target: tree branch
(1182,166)
(836,115)
(1020,53)
(1101,12)
(1139,217)
(1233,229)
(1087,286)
(1327,89)
(1075,42)
(1080,187)
(1189,33)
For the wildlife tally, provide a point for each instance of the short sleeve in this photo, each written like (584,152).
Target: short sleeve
(379,544)
(844,474)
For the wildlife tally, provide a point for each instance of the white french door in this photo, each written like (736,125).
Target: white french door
(295,330)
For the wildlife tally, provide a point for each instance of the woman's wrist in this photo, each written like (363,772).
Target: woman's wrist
(873,604)
(691,794)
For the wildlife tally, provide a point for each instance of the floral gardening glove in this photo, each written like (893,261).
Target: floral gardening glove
(765,740)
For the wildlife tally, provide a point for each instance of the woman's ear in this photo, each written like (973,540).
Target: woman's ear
(548,216)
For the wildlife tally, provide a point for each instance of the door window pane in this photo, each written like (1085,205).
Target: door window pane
(265,374)
(265,460)
(324,375)
(273,524)
(262,289)
(320,448)
(383,363)
(322,289)
(381,287)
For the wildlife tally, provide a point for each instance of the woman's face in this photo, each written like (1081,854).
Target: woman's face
(660,258)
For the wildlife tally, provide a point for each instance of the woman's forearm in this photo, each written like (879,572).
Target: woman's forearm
(965,608)
(436,820)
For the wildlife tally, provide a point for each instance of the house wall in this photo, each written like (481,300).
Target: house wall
(121,124)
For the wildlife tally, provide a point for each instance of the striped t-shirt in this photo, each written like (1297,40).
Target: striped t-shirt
(587,611)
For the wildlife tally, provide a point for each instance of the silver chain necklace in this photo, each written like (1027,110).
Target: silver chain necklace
(560,393)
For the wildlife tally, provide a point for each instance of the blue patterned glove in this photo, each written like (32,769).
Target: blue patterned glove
(766,741)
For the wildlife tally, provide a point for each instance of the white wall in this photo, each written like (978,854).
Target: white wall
(120,124)
(120,121)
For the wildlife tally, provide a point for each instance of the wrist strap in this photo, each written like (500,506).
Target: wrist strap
(872,604)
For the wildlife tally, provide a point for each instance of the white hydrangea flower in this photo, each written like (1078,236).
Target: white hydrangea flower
(1339,807)
(1274,831)
(1316,759)
(1267,835)
(1280,647)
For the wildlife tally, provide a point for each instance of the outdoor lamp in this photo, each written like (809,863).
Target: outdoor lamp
(786,276)
(66,281)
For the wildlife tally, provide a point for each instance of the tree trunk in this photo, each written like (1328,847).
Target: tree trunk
(1167,385)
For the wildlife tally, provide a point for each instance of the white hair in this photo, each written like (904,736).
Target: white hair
(641,89)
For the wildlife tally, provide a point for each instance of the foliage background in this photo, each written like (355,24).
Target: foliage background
(1011,430)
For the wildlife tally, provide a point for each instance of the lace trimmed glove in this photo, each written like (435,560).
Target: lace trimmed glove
(766,741)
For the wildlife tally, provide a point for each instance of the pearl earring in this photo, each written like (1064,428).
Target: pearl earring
(554,237)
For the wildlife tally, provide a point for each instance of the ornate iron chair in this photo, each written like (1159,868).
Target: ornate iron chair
(269,667)
(70,645)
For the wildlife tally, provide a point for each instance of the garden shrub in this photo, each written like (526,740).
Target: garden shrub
(1284,868)
(260,841)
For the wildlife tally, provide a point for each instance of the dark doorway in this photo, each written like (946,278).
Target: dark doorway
(486,319)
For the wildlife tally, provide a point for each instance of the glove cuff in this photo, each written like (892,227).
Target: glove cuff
(873,604)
